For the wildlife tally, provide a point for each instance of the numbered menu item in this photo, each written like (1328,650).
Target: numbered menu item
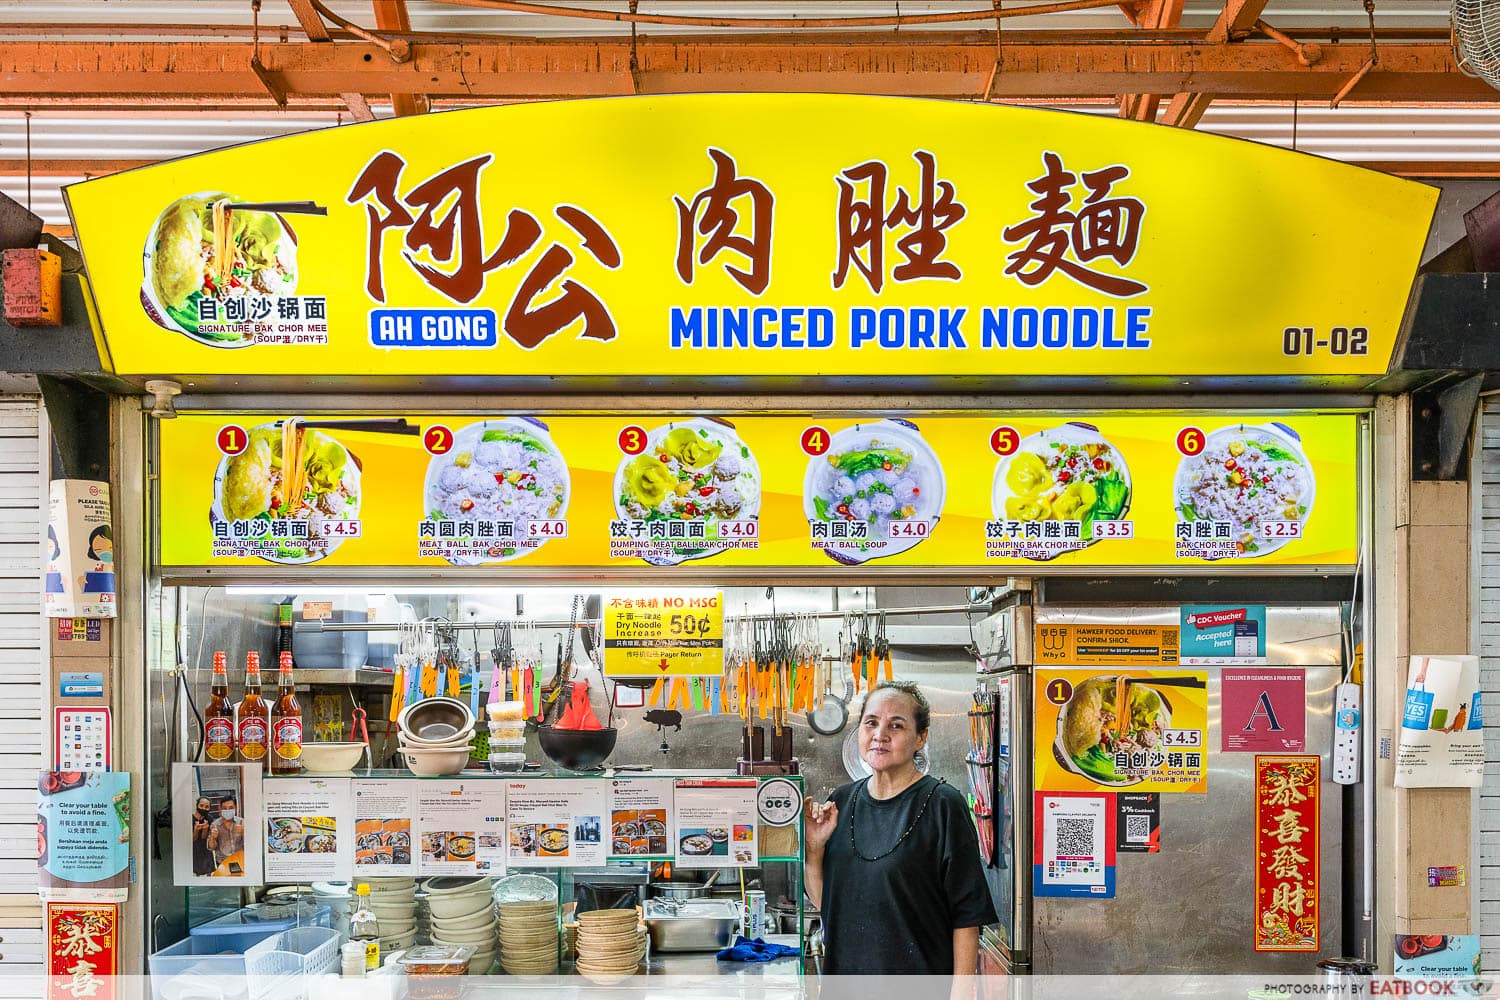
(1242,491)
(1056,491)
(494,490)
(640,819)
(684,490)
(383,828)
(716,823)
(871,490)
(283,493)
(556,824)
(309,827)
(460,828)
(1138,729)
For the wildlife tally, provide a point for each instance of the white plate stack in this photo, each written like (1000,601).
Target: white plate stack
(393,901)
(462,912)
(611,944)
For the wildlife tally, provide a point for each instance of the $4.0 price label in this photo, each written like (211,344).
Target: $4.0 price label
(546,529)
(1281,529)
(341,529)
(910,529)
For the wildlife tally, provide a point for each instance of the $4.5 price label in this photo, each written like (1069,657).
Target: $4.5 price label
(341,529)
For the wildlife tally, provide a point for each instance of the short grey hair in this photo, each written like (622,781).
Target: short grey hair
(923,711)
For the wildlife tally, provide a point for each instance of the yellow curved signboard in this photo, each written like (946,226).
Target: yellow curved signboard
(751,235)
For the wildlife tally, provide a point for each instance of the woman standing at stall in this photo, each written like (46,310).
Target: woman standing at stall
(893,860)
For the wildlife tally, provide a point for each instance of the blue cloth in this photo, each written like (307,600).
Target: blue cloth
(746,950)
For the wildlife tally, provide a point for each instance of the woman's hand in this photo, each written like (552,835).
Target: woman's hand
(821,819)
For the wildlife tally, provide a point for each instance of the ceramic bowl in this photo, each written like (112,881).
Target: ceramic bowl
(396,928)
(466,909)
(457,885)
(331,758)
(474,935)
(403,910)
(435,718)
(462,738)
(433,763)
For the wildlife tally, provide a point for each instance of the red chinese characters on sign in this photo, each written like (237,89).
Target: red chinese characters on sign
(715,215)
(444,244)
(1287,879)
(863,219)
(82,950)
(1059,239)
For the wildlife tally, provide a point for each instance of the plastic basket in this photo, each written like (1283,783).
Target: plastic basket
(197,968)
(282,967)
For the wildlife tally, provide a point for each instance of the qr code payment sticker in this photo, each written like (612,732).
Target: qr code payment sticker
(1075,838)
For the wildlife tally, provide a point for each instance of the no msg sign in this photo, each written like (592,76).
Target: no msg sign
(678,633)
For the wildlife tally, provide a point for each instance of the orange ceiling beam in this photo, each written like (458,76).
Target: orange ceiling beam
(1235,21)
(391,15)
(79,73)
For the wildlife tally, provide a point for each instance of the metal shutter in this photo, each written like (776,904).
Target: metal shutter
(23,665)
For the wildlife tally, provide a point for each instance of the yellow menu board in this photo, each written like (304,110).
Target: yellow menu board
(1121,730)
(1208,489)
(751,235)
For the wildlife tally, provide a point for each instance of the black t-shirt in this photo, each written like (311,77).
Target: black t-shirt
(898,914)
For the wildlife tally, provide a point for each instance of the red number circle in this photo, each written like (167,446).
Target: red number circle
(438,440)
(1190,441)
(232,439)
(633,440)
(1004,441)
(1059,691)
(815,440)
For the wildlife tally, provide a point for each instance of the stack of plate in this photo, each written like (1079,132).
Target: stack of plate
(394,903)
(528,937)
(462,912)
(611,943)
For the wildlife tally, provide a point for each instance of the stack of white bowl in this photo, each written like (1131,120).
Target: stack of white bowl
(394,903)
(463,913)
(435,734)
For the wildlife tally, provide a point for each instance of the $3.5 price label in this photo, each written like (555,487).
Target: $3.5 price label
(1114,529)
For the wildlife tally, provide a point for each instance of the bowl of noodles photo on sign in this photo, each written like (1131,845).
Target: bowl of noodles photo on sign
(289,474)
(503,470)
(1256,478)
(201,255)
(1065,473)
(694,469)
(1092,728)
(882,475)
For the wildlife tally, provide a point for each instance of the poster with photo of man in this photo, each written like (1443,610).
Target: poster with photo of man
(216,824)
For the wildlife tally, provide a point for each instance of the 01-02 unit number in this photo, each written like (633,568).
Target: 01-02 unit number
(1340,340)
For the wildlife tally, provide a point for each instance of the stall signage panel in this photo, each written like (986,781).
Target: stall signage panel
(1264,710)
(1209,489)
(83,950)
(1085,743)
(1287,879)
(672,235)
(1106,645)
(664,634)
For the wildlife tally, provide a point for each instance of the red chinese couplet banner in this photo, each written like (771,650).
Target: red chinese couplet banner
(83,950)
(1286,853)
